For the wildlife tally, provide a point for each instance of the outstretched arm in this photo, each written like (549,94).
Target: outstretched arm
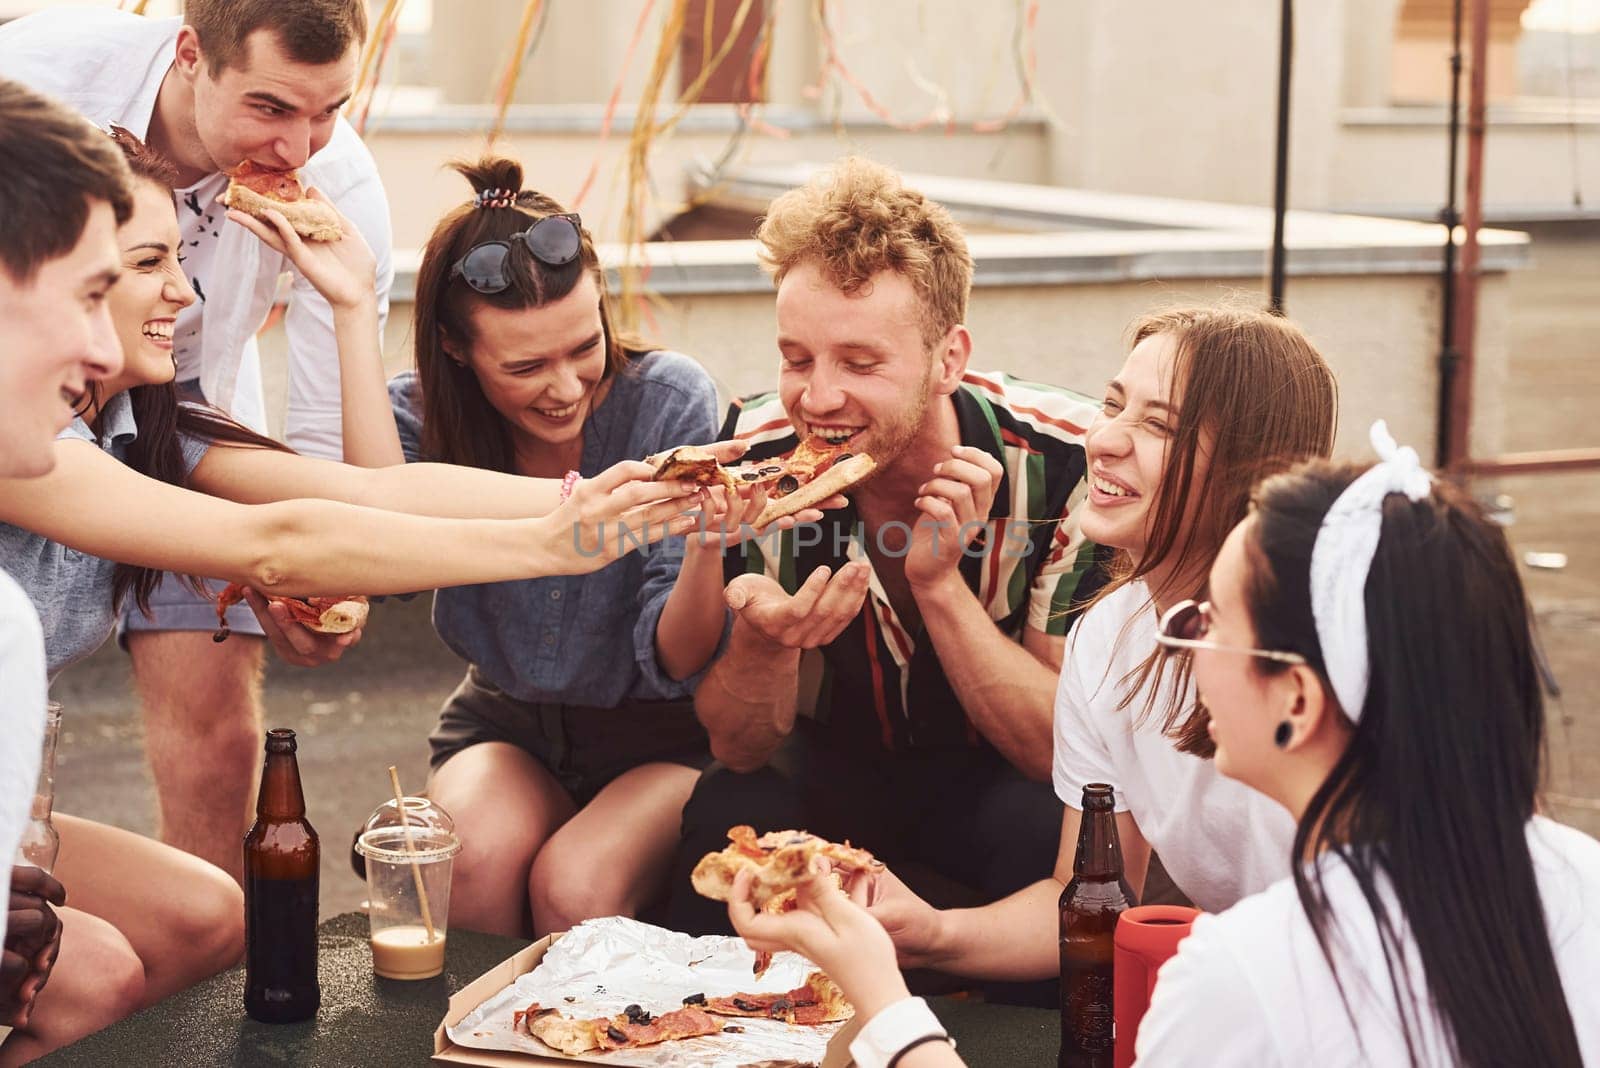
(1014,938)
(98,506)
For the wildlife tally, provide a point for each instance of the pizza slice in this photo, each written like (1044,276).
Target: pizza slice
(780,861)
(803,479)
(787,901)
(810,475)
(254,189)
(629,1029)
(325,615)
(817,1001)
(691,463)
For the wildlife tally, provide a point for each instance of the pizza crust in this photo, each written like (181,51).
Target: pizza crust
(779,860)
(311,219)
(836,479)
(342,618)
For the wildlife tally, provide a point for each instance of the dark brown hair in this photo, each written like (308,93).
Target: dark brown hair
(1255,385)
(55,166)
(459,425)
(1434,792)
(157,450)
(311,31)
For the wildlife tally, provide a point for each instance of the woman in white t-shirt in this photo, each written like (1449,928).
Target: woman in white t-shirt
(1367,661)
(1208,400)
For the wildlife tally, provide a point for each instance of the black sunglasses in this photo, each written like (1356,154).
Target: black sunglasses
(1186,624)
(554,241)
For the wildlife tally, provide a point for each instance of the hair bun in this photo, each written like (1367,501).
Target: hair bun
(490,174)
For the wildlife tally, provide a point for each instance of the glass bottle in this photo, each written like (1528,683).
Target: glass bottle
(41,842)
(1090,906)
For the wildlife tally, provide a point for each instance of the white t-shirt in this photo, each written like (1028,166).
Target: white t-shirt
(200,220)
(22,698)
(1251,986)
(1219,840)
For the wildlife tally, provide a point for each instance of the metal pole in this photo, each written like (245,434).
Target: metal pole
(1459,443)
(1280,187)
(1448,356)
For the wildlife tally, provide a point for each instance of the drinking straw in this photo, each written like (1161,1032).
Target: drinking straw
(411,847)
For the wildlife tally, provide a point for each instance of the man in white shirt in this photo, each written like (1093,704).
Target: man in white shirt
(230,81)
(63,190)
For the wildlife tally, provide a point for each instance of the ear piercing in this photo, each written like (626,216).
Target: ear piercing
(1281,736)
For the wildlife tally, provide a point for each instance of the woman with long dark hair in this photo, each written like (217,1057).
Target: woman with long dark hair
(572,743)
(1366,657)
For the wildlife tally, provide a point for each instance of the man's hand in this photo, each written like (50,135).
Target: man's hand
(818,612)
(33,939)
(955,507)
(343,271)
(728,519)
(294,642)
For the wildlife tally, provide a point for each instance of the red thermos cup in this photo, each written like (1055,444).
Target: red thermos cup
(1146,936)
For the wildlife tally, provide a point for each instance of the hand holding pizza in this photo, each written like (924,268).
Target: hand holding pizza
(733,519)
(817,613)
(293,641)
(955,506)
(343,271)
(913,925)
(610,515)
(831,929)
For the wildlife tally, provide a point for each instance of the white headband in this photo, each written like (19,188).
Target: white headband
(1342,556)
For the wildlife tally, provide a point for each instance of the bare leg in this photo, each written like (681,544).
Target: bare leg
(97,980)
(505,805)
(611,858)
(202,725)
(183,917)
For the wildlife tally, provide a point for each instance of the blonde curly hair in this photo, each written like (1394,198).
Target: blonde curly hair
(858,218)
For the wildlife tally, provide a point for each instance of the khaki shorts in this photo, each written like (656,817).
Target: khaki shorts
(582,746)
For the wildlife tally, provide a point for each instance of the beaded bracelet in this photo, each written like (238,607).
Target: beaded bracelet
(569,481)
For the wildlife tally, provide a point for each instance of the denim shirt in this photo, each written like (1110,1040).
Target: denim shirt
(72,590)
(583,639)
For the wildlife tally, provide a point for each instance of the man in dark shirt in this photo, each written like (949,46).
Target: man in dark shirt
(891,670)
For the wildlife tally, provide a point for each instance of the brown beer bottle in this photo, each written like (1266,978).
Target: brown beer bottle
(281,863)
(1090,905)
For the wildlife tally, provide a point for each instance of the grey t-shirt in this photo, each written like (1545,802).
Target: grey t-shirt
(72,590)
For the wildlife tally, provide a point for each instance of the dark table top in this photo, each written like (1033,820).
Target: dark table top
(368,1022)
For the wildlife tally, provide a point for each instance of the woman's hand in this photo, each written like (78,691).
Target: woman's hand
(612,514)
(343,271)
(832,930)
(913,925)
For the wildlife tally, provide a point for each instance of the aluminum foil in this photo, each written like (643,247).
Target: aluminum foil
(602,966)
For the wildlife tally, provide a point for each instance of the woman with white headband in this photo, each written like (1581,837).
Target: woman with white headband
(1208,401)
(1366,658)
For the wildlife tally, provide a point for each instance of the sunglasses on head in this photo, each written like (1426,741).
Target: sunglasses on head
(1186,624)
(554,241)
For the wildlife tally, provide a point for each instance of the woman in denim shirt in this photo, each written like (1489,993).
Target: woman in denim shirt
(567,753)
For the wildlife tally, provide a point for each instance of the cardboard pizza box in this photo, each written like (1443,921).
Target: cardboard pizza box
(476,993)
(504,974)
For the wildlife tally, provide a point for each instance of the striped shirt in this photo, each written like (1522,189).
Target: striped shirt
(880,682)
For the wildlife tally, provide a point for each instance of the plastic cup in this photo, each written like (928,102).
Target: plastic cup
(401,948)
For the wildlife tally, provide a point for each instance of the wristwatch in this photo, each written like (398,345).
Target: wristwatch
(894,1030)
